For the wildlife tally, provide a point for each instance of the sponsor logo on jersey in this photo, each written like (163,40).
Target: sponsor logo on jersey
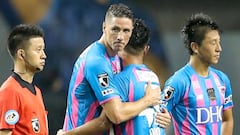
(107,92)
(103,80)
(35,125)
(11,117)
(168,92)
(212,114)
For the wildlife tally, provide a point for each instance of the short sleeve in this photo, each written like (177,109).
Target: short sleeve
(173,91)
(9,112)
(228,102)
(100,76)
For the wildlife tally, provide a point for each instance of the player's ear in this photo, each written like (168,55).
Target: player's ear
(20,54)
(194,47)
(146,49)
(103,27)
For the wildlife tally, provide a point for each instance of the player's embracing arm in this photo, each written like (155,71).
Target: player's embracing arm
(92,127)
(101,80)
(227,118)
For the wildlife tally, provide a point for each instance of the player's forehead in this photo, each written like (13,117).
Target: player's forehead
(212,34)
(120,22)
(36,42)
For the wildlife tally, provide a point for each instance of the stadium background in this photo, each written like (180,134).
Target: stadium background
(71,25)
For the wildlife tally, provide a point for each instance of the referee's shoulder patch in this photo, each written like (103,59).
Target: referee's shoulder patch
(11,117)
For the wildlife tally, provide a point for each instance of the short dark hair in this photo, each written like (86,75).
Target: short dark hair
(139,38)
(195,29)
(119,10)
(20,34)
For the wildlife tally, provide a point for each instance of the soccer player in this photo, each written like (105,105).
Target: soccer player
(22,109)
(198,96)
(132,55)
(92,88)
(131,83)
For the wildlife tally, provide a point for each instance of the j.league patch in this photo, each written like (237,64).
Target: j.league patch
(103,79)
(168,92)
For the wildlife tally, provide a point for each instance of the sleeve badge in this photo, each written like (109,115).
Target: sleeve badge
(103,80)
(11,117)
(168,93)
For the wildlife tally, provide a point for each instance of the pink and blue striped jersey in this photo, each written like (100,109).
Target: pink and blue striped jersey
(91,85)
(131,83)
(197,103)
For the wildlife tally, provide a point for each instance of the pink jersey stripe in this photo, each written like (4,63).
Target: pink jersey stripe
(129,127)
(202,129)
(65,126)
(79,76)
(185,123)
(198,91)
(226,108)
(131,92)
(75,108)
(135,74)
(91,111)
(215,128)
(200,99)
(221,89)
(115,64)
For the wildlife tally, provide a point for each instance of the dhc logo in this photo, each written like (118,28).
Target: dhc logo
(213,114)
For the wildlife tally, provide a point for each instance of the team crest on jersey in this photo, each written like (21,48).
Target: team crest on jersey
(35,125)
(211,94)
(168,92)
(11,117)
(103,80)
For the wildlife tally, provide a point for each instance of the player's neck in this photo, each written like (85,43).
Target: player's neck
(199,66)
(108,49)
(24,73)
(132,60)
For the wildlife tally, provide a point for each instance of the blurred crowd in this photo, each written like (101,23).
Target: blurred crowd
(69,27)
